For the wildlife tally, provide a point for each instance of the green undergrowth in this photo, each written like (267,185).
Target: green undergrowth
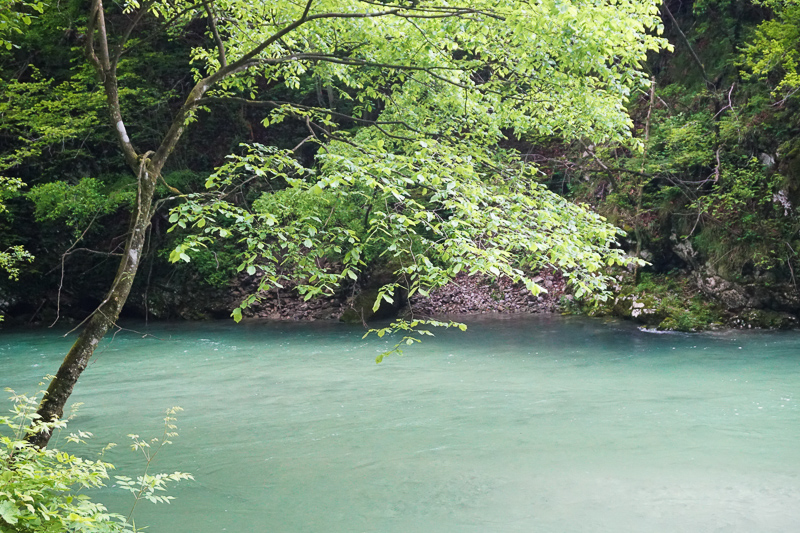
(43,490)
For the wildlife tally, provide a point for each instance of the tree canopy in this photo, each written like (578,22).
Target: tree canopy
(429,94)
(410,156)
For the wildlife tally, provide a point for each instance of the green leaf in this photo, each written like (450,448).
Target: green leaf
(9,512)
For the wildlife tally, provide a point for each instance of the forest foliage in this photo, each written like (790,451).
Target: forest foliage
(364,150)
(715,190)
(383,130)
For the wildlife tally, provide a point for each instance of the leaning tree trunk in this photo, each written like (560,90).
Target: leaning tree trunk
(147,171)
(52,406)
(148,168)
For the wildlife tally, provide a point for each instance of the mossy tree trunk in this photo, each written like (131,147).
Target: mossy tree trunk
(147,170)
(60,389)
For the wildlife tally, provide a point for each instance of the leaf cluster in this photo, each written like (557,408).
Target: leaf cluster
(41,489)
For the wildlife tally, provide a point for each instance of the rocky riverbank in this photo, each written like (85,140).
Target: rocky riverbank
(685,300)
(670,302)
(480,294)
(465,295)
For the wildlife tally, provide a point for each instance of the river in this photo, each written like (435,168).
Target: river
(520,424)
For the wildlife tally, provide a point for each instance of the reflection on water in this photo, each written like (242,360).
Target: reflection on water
(520,424)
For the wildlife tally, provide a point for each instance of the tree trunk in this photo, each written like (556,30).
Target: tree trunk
(106,315)
(148,169)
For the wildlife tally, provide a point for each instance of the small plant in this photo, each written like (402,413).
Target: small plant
(147,486)
(41,489)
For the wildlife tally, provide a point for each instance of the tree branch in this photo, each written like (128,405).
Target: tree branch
(90,29)
(275,104)
(103,66)
(212,21)
(689,46)
(306,10)
(127,35)
(243,63)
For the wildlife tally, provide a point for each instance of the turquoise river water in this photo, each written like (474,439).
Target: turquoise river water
(520,424)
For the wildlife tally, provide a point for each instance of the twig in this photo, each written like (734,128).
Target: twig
(791,269)
(37,310)
(730,102)
(63,258)
(301,143)
(689,45)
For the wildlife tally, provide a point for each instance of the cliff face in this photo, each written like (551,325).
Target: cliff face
(693,294)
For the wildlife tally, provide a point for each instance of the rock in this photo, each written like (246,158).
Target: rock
(685,250)
(764,319)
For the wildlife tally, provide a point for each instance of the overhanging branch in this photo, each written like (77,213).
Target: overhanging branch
(275,104)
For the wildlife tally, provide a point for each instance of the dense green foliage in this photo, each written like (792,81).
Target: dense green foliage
(422,158)
(13,255)
(715,190)
(773,55)
(374,138)
(425,168)
(42,490)
(14,16)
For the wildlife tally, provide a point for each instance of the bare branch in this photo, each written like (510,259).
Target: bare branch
(730,102)
(306,10)
(599,162)
(304,141)
(100,21)
(689,46)
(102,64)
(89,47)
(127,35)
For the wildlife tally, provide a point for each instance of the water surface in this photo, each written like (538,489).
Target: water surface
(521,424)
